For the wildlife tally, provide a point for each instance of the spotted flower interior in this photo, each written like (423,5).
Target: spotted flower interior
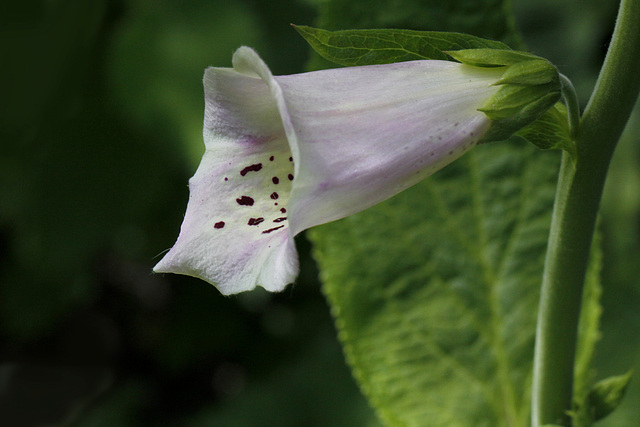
(263,207)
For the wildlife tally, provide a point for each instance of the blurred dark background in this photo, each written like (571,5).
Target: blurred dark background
(100,125)
(101,129)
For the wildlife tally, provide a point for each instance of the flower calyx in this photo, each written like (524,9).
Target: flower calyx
(529,86)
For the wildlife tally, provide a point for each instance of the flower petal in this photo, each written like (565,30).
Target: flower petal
(364,134)
(235,232)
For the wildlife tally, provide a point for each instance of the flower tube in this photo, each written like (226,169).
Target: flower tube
(285,153)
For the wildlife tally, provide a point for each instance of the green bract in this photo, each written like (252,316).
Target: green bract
(491,57)
(550,131)
(384,46)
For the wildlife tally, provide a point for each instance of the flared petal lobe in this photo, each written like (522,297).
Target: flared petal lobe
(287,153)
(234,234)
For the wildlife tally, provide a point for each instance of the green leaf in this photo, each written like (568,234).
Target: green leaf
(607,394)
(435,291)
(588,336)
(603,398)
(550,131)
(384,46)
(589,326)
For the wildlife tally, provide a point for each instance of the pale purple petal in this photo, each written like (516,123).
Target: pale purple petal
(366,135)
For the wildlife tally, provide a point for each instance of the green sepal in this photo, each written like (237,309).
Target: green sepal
(551,131)
(491,57)
(384,46)
(606,395)
(529,73)
(511,99)
(527,90)
(505,126)
(529,86)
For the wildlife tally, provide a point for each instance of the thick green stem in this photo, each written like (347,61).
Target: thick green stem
(576,208)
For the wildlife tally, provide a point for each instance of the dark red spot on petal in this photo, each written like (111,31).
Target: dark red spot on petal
(245,201)
(282,218)
(275,180)
(274,195)
(251,168)
(255,221)
(271,159)
(290,176)
(272,229)
(291,159)
(283,210)
(219,224)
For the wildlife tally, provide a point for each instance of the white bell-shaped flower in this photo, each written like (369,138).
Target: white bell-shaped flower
(285,153)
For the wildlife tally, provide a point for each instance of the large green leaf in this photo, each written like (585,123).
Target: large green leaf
(435,291)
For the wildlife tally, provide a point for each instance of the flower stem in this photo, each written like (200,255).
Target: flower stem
(576,207)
